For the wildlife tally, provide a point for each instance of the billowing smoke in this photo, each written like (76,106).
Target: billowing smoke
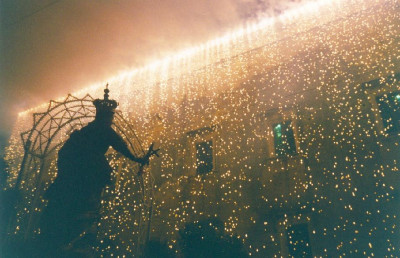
(50,48)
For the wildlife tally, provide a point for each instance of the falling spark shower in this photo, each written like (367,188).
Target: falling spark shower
(318,66)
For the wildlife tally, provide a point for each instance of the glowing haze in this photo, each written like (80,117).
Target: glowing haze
(50,48)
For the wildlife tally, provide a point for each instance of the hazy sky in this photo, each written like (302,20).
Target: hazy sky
(50,48)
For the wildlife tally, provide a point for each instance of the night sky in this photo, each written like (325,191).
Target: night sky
(51,48)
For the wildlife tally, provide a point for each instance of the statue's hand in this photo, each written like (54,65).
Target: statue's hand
(146,159)
(152,151)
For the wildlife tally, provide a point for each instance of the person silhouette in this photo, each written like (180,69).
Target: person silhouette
(83,172)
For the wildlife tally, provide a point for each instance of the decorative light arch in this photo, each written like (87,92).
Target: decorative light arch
(49,131)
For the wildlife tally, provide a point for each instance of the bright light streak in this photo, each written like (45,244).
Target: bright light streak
(264,24)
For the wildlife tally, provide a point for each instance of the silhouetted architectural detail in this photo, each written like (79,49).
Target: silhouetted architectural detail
(204,157)
(284,139)
(83,172)
(298,241)
(389,108)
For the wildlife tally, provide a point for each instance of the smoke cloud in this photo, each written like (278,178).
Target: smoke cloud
(50,48)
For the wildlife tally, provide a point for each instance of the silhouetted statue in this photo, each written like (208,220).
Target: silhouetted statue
(83,172)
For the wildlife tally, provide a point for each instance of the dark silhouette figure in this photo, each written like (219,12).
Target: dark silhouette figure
(83,172)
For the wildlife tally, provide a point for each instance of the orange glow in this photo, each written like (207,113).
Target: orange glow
(308,9)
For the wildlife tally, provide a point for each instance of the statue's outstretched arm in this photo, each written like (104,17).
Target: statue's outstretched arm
(120,145)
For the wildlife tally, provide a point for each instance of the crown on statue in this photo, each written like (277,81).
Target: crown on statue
(105,105)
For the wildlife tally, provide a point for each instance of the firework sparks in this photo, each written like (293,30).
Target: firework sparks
(284,115)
